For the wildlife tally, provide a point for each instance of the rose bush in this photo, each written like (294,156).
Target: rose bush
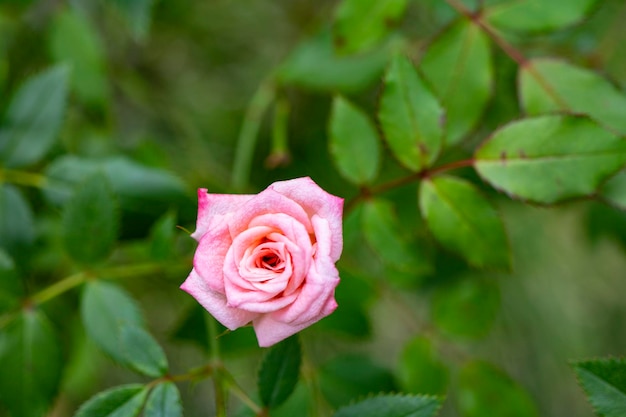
(268,258)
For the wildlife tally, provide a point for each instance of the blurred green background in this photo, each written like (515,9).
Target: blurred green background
(167,84)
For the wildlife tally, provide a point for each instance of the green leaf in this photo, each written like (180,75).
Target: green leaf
(362,24)
(537,15)
(487,391)
(353,297)
(74,41)
(139,188)
(384,233)
(604,381)
(466,308)
(577,89)
(549,159)
(138,14)
(279,372)
(34,117)
(314,65)
(392,406)
(614,190)
(410,116)
(112,319)
(31,365)
(17,225)
(162,236)
(90,221)
(348,377)
(354,143)
(465,222)
(141,352)
(122,401)
(459,68)
(10,285)
(420,369)
(164,401)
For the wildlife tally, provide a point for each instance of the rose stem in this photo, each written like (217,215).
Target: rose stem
(218,380)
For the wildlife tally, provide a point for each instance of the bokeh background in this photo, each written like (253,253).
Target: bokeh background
(168,84)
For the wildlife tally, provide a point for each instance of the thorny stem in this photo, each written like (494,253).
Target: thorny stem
(367,192)
(510,50)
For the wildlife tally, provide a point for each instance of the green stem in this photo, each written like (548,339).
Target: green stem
(249,134)
(58,288)
(27,179)
(218,380)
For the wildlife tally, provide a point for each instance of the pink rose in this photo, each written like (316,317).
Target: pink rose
(268,258)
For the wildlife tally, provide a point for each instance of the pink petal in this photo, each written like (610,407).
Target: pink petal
(210,205)
(215,303)
(208,261)
(267,202)
(270,331)
(315,200)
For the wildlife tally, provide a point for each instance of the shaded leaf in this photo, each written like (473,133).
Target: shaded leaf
(362,24)
(578,89)
(354,142)
(420,369)
(74,41)
(614,190)
(383,232)
(33,118)
(10,285)
(17,225)
(122,401)
(138,187)
(90,221)
(392,406)
(31,365)
(314,65)
(466,308)
(162,237)
(604,381)
(485,390)
(163,401)
(112,319)
(353,297)
(348,377)
(464,221)
(410,116)
(537,15)
(459,68)
(549,159)
(279,372)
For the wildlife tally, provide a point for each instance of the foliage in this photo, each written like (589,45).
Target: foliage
(442,124)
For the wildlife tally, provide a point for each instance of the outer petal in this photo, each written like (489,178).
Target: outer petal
(210,205)
(270,331)
(215,303)
(208,261)
(315,200)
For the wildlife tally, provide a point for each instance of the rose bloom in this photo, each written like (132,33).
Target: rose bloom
(268,258)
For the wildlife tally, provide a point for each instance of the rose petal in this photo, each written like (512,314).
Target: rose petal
(210,205)
(267,202)
(270,331)
(210,255)
(215,303)
(315,200)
